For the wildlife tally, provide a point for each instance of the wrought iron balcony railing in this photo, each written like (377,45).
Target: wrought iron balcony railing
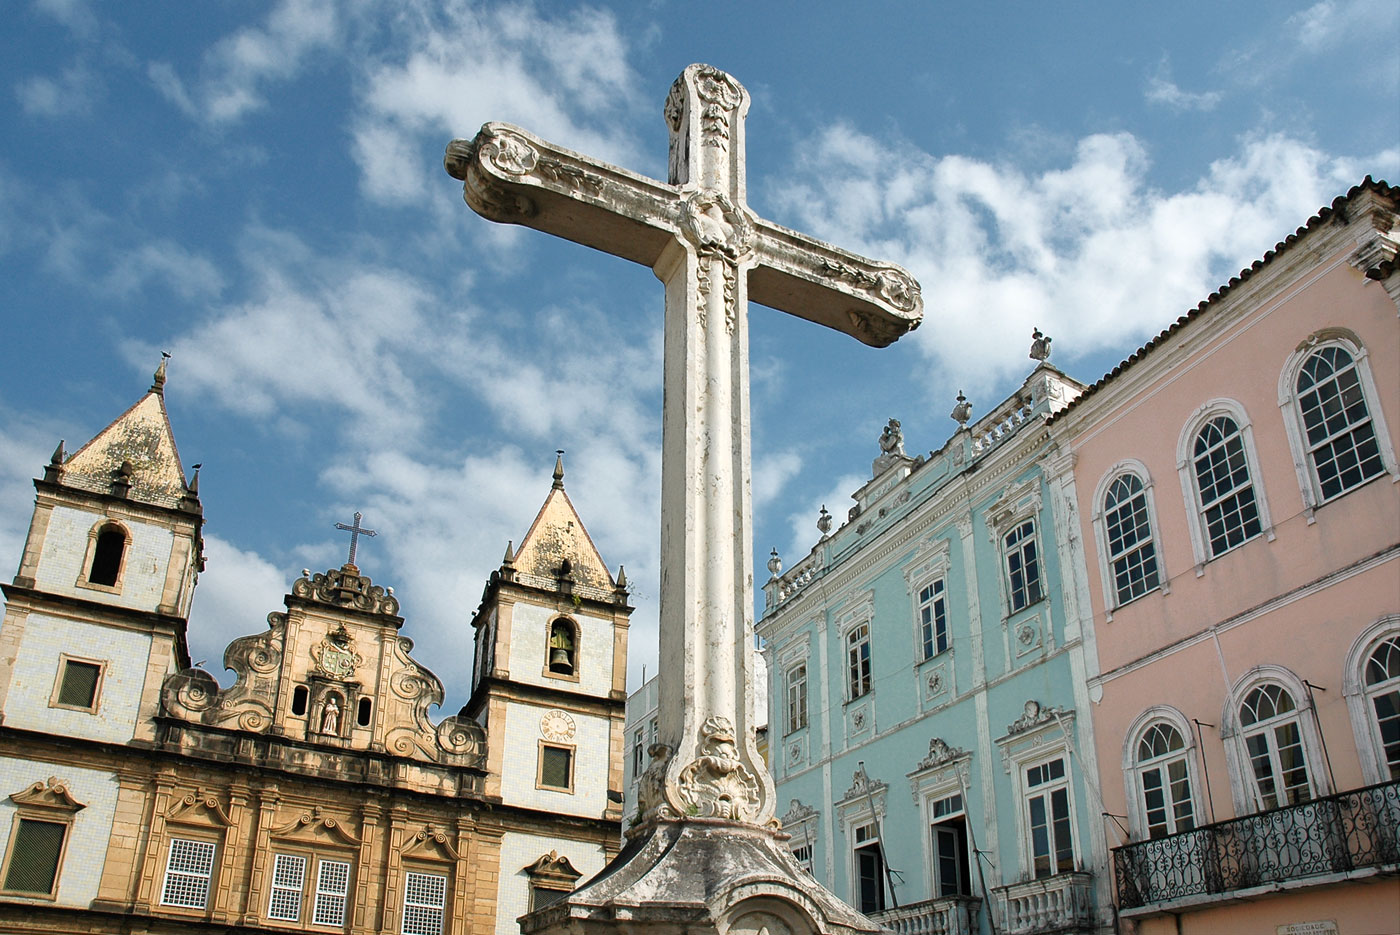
(1335,834)
(950,915)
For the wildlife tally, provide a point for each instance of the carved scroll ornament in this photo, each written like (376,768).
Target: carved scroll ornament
(717,784)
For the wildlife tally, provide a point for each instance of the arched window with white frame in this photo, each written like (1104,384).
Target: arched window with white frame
(1220,480)
(1125,525)
(1160,774)
(1332,412)
(1277,751)
(1371,684)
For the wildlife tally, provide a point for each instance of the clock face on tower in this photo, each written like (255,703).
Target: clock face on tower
(557,725)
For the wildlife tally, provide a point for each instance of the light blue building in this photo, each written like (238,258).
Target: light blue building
(928,709)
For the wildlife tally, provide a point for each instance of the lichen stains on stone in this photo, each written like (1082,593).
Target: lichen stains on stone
(142,436)
(556,535)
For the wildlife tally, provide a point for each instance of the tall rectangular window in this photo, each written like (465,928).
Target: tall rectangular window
(288,878)
(424,902)
(1023,566)
(858,661)
(332,890)
(1051,829)
(933,619)
(797,697)
(639,761)
(188,870)
(949,832)
(870,869)
(36,848)
(1228,507)
(1128,533)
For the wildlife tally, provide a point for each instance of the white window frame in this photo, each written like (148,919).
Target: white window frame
(1133,769)
(1359,697)
(1047,789)
(929,567)
(791,684)
(1303,463)
(1100,524)
(934,784)
(206,847)
(1040,591)
(440,908)
(865,806)
(1031,748)
(274,889)
(330,894)
(639,750)
(868,678)
(1242,781)
(1190,490)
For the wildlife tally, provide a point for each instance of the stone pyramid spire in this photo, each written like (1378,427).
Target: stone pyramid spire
(135,456)
(558,544)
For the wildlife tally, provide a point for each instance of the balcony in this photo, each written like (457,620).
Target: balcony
(953,915)
(1060,903)
(1311,842)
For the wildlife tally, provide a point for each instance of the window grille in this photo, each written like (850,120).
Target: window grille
(858,659)
(1131,551)
(1227,503)
(933,619)
(1341,439)
(556,767)
(1383,688)
(425,896)
(187,873)
(1023,566)
(541,896)
(34,854)
(78,685)
(288,876)
(332,889)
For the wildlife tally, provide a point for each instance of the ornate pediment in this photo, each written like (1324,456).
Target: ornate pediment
(430,840)
(553,870)
(198,808)
(862,785)
(940,754)
(797,813)
(1034,715)
(313,821)
(52,793)
(345,587)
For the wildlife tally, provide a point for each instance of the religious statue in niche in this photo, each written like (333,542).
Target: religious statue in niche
(335,655)
(330,717)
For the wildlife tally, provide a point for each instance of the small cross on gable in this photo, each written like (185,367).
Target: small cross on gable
(356,531)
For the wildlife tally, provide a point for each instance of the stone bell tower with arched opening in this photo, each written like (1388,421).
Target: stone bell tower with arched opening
(549,685)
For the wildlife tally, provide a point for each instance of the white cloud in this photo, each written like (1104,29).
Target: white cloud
(236,71)
(75,14)
(1161,89)
(236,592)
(25,447)
(72,92)
(1089,252)
(802,523)
(187,274)
(563,77)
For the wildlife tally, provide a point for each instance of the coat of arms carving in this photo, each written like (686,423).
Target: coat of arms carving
(335,655)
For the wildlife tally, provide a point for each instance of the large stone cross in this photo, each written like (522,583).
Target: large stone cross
(713,254)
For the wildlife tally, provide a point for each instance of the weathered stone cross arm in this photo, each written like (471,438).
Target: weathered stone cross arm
(514,177)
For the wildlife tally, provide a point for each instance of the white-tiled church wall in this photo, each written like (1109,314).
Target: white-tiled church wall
(521,761)
(529,640)
(92,826)
(65,550)
(519,851)
(125,655)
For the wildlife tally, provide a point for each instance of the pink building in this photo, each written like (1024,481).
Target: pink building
(1238,516)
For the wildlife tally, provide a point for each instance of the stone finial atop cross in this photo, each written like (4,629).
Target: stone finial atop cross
(713,254)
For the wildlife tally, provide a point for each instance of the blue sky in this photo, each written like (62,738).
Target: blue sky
(257,188)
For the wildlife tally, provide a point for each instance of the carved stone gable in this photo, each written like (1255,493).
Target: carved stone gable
(346,587)
(797,813)
(553,871)
(940,754)
(1034,715)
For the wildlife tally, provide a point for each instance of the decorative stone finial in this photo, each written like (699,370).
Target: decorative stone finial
(775,564)
(962,411)
(54,469)
(824,522)
(1040,346)
(559,469)
(193,485)
(509,557)
(158,380)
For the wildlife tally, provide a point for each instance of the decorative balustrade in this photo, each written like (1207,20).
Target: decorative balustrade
(953,915)
(1060,903)
(1336,834)
(992,430)
(607,595)
(798,577)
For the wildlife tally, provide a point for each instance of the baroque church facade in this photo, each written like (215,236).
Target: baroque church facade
(316,792)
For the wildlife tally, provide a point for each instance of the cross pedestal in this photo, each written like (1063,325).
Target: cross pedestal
(707,855)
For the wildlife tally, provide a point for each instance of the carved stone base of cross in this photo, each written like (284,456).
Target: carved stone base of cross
(707,854)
